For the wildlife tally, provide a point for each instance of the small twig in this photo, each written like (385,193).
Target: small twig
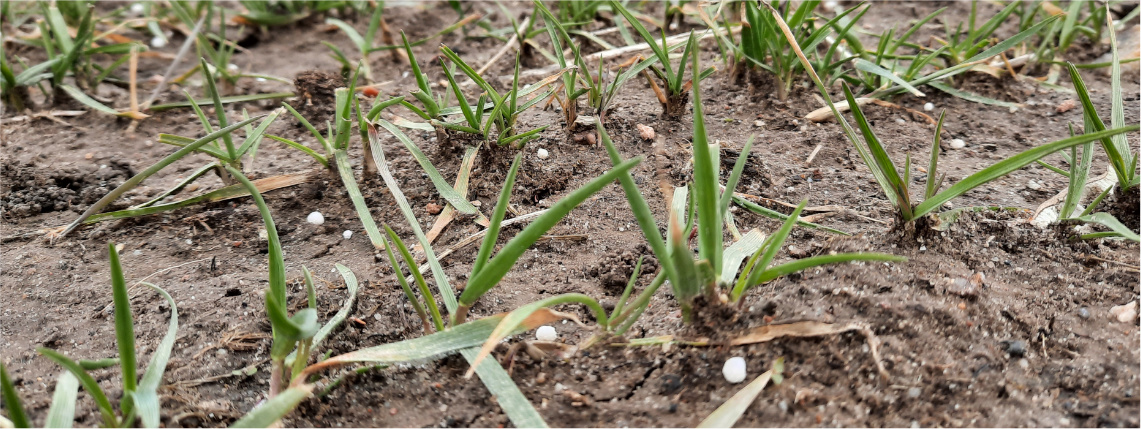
(177,59)
(812,155)
(502,51)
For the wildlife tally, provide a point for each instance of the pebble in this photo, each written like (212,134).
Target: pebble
(434,209)
(138,8)
(1124,313)
(158,42)
(1083,313)
(1033,185)
(347,234)
(542,153)
(645,131)
(962,287)
(914,392)
(1023,363)
(734,370)
(1016,348)
(929,107)
(1066,105)
(315,218)
(957,144)
(900,121)
(546,333)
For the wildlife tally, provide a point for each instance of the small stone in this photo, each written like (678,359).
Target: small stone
(138,8)
(645,131)
(928,107)
(541,378)
(477,203)
(315,218)
(88,155)
(1016,348)
(734,370)
(1023,363)
(957,144)
(347,234)
(758,123)
(914,392)
(978,280)
(1066,105)
(434,209)
(783,405)
(1083,313)
(158,42)
(1033,185)
(900,121)
(963,287)
(542,153)
(1124,313)
(546,333)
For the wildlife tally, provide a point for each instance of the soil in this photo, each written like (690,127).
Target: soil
(992,322)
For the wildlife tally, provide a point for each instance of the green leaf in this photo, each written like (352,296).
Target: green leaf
(268,413)
(870,67)
(146,398)
(711,225)
(518,409)
(446,190)
(124,323)
(1010,164)
(749,244)
(498,266)
(773,214)
(89,384)
(224,100)
(970,96)
(815,261)
(138,178)
(12,400)
(500,211)
(345,170)
(62,411)
(446,292)
(1107,220)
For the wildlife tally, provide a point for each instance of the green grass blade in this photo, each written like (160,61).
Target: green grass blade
(749,244)
(498,266)
(124,323)
(640,209)
(12,403)
(416,305)
(728,413)
(518,409)
(423,348)
(354,36)
(899,195)
(304,149)
(776,241)
(815,261)
(138,178)
(970,96)
(447,294)
(735,176)
(417,276)
(445,189)
(219,110)
(1008,165)
(1107,220)
(106,411)
(629,287)
(515,320)
(773,214)
(146,398)
(254,137)
(352,286)
(341,158)
(933,166)
(62,411)
(710,227)
(225,100)
(181,141)
(226,193)
(646,37)
(497,216)
(1117,112)
(267,414)
(867,66)
(84,99)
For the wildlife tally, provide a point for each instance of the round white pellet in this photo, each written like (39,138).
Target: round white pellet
(316,218)
(958,144)
(542,153)
(928,107)
(734,370)
(232,67)
(546,333)
(138,8)
(158,42)
(347,234)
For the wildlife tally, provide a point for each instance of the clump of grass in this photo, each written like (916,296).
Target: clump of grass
(675,96)
(140,398)
(763,46)
(713,273)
